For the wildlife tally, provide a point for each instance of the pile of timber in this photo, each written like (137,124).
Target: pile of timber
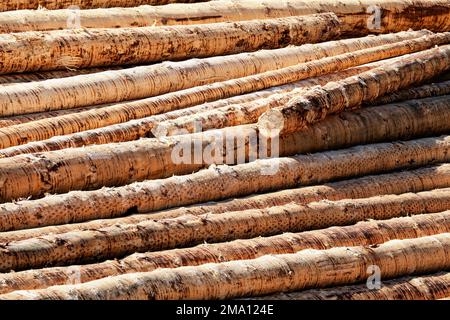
(189,149)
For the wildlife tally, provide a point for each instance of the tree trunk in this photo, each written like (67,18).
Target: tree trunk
(363,233)
(108,204)
(351,92)
(91,167)
(264,275)
(60,49)
(358,17)
(149,235)
(146,81)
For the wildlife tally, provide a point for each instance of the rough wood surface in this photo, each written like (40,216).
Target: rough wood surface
(214,183)
(20,134)
(9,79)
(7,5)
(265,275)
(350,93)
(428,287)
(425,117)
(363,233)
(307,83)
(357,16)
(230,115)
(60,209)
(53,50)
(121,239)
(157,79)
(427,90)
(248,113)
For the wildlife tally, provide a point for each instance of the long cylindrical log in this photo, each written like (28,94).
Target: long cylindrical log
(228,116)
(428,287)
(8,5)
(146,127)
(247,113)
(307,83)
(53,50)
(351,92)
(374,124)
(362,234)
(147,81)
(20,134)
(424,118)
(91,167)
(264,275)
(427,90)
(358,17)
(40,76)
(146,124)
(150,235)
(99,116)
(69,209)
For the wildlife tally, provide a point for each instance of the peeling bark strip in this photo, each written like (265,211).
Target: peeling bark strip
(363,233)
(91,167)
(349,93)
(80,48)
(428,287)
(146,127)
(149,235)
(395,15)
(64,209)
(264,275)
(157,79)
(7,5)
